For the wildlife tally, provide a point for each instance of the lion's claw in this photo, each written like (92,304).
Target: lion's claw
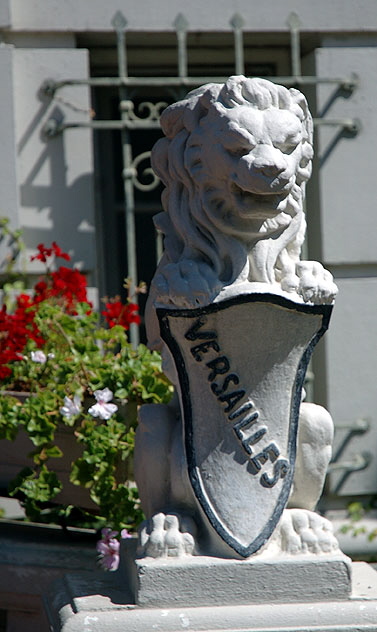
(304,531)
(167,536)
(315,284)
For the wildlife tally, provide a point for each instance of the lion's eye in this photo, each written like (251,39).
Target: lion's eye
(286,147)
(238,152)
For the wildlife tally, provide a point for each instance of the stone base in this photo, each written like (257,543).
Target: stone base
(79,603)
(208,581)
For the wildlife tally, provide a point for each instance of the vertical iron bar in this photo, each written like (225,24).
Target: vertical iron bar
(181,25)
(294,26)
(119,22)
(237,22)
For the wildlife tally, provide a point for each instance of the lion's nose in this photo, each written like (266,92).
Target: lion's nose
(269,161)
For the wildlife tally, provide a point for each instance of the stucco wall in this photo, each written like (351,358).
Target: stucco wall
(345,229)
(96,15)
(47,183)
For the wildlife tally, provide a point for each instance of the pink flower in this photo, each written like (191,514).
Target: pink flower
(108,548)
(125,535)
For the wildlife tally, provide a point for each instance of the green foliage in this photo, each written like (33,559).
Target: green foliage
(356,512)
(37,486)
(9,270)
(81,358)
(55,359)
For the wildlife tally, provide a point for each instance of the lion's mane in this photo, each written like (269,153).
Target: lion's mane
(192,224)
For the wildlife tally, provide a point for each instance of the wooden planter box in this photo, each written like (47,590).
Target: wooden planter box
(14,456)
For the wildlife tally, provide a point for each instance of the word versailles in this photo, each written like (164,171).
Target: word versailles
(244,412)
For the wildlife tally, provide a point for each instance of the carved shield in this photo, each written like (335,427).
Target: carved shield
(241,365)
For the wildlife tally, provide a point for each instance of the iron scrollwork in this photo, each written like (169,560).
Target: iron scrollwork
(147,173)
(153,110)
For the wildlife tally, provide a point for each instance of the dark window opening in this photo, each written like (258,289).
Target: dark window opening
(3,620)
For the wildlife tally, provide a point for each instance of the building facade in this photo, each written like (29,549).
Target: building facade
(82,85)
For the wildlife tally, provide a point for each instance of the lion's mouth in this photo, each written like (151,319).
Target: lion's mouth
(269,202)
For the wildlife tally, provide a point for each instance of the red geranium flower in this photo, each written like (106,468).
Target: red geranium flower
(45,253)
(59,253)
(65,286)
(118,313)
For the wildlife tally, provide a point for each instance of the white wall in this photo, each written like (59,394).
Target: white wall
(346,231)
(87,15)
(352,371)
(348,171)
(53,199)
(5,18)
(9,193)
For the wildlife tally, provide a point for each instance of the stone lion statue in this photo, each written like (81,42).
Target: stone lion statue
(234,161)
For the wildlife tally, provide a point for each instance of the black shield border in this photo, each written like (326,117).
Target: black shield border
(163,314)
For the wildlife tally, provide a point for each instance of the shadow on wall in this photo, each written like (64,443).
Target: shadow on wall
(56,205)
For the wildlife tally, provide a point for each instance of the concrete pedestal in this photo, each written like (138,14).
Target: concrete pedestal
(209,581)
(106,604)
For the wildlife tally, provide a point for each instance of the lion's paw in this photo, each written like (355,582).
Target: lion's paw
(315,283)
(167,535)
(187,283)
(303,531)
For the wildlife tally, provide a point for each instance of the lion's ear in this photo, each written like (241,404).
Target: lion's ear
(183,115)
(172,119)
(186,114)
(159,159)
(303,113)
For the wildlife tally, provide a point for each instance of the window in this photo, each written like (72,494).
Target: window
(209,55)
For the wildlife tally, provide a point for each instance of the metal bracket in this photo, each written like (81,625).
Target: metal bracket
(353,126)
(359,426)
(360,461)
(356,464)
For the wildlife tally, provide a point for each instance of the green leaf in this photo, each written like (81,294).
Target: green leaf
(39,487)
(356,511)
(372,535)
(82,473)
(121,393)
(53,452)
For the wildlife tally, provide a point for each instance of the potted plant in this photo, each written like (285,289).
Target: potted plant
(70,392)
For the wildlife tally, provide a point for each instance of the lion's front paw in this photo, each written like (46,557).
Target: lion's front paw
(187,284)
(315,283)
(303,531)
(167,535)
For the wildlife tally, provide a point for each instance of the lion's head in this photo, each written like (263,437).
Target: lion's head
(234,163)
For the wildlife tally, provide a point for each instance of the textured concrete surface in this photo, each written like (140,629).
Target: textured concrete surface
(76,608)
(206,581)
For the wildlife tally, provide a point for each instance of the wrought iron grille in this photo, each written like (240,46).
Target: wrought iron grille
(144,115)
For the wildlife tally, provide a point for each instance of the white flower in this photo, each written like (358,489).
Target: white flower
(102,408)
(38,356)
(71,407)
